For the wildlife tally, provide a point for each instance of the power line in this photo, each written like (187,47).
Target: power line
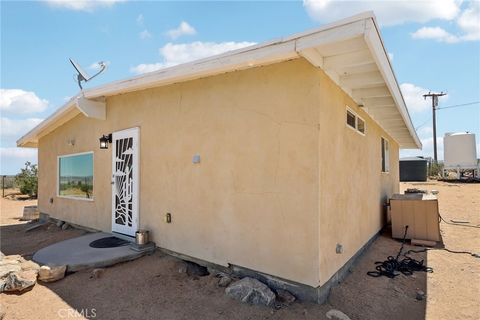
(459,105)
(424,123)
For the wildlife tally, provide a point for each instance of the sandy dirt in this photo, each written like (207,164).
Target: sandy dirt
(152,287)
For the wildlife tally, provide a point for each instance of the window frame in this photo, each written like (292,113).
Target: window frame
(58,175)
(385,155)
(349,110)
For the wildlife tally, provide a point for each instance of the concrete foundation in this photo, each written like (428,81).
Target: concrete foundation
(300,291)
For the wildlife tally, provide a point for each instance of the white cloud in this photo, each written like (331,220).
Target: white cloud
(18,153)
(96,65)
(425,131)
(182,30)
(174,54)
(13,128)
(147,67)
(435,33)
(82,5)
(140,20)
(413,96)
(390,12)
(17,101)
(427,149)
(145,34)
(390,56)
(468,22)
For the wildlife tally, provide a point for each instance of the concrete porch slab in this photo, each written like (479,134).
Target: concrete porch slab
(77,255)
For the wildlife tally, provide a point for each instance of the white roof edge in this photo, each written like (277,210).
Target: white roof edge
(395,88)
(31,136)
(267,52)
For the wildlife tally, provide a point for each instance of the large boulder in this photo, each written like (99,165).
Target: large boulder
(249,290)
(17,274)
(51,273)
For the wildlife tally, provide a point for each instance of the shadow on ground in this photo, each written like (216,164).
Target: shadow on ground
(152,287)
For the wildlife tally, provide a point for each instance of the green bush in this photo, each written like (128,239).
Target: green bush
(27,180)
(435,169)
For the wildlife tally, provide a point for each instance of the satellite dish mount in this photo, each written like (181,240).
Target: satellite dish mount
(82,75)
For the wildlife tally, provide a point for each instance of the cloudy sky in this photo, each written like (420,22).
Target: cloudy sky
(433,45)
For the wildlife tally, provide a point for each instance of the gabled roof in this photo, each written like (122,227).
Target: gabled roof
(350,51)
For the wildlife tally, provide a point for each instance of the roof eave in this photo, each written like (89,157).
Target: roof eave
(362,25)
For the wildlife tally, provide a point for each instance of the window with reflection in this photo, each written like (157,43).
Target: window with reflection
(75,176)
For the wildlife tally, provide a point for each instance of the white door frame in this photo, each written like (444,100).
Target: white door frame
(130,190)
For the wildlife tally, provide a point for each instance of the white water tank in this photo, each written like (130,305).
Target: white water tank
(460,150)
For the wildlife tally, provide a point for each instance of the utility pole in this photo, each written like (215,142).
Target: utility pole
(434,97)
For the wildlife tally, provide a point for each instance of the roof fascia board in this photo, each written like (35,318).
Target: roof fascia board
(375,44)
(270,54)
(64,113)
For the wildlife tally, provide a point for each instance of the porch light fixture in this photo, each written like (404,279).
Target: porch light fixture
(105,140)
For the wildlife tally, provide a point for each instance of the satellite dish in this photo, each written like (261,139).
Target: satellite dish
(82,75)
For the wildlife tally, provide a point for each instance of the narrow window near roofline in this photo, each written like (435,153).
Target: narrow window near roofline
(355,122)
(385,155)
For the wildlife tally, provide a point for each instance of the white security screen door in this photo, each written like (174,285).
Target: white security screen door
(125,184)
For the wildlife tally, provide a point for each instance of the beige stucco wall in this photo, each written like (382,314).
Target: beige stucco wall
(252,201)
(352,188)
(281,178)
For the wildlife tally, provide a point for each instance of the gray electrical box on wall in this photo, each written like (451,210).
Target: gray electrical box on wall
(196,158)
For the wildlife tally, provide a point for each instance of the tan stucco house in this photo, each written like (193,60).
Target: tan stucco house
(276,159)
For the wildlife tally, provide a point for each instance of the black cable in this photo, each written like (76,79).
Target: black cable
(458,224)
(405,266)
(458,105)
(408,265)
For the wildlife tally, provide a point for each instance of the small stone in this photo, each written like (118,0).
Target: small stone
(336,315)
(224,281)
(51,273)
(249,290)
(420,295)
(65,226)
(285,297)
(97,273)
(182,268)
(59,223)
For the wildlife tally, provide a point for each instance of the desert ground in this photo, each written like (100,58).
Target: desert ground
(152,288)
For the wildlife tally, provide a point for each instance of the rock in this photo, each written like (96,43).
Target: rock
(59,223)
(17,274)
(194,269)
(65,226)
(182,267)
(18,281)
(224,281)
(2,312)
(51,273)
(285,297)
(249,290)
(420,295)
(97,273)
(336,315)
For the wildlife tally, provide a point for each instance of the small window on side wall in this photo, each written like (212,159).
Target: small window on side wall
(355,122)
(385,155)
(351,119)
(360,125)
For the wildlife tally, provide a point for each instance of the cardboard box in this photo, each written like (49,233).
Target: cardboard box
(420,212)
